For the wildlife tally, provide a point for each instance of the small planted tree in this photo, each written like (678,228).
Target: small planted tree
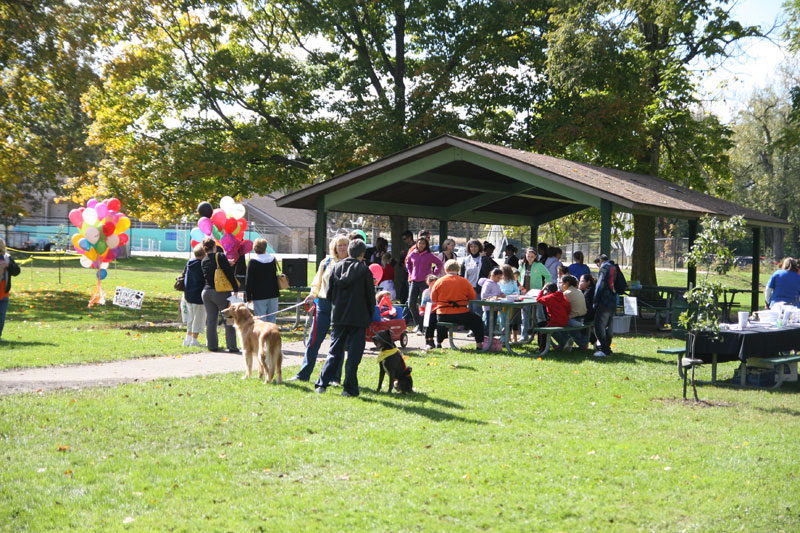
(710,249)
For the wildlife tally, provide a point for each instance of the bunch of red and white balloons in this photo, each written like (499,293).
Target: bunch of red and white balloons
(226,225)
(101,233)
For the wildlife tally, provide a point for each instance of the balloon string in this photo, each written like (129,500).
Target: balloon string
(98,294)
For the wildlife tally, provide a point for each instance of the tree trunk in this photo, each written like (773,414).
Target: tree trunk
(644,250)
(777,244)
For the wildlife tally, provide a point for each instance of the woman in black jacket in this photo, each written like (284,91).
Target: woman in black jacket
(261,283)
(215,301)
(8,268)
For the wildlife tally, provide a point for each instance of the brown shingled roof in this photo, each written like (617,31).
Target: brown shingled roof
(555,187)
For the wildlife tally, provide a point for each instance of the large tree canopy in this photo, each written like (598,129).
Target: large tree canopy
(205,99)
(624,96)
(46,55)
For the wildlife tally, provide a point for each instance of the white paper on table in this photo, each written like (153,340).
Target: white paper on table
(427,320)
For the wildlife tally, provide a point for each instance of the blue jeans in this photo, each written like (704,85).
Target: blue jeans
(579,336)
(266,307)
(3,309)
(604,327)
(353,339)
(322,323)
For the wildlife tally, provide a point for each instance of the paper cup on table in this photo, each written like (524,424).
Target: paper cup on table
(743,316)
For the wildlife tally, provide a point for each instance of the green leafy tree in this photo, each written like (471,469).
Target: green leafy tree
(765,163)
(241,97)
(624,97)
(46,59)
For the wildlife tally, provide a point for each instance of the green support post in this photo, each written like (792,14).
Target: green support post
(691,271)
(321,230)
(756,269)
(605,227)
(442,232)
(534,236)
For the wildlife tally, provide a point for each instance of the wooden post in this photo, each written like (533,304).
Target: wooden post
(756,269)
(691,274)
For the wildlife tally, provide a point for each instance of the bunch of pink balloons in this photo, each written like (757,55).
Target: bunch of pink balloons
(226,225)
(101,233)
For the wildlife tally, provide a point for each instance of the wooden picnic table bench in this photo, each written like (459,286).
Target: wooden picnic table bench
(774,363)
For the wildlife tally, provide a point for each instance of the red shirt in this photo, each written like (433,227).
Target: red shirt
(557,307)
(388,273)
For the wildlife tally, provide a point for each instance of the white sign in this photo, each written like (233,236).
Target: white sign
(131,298)
(631,305)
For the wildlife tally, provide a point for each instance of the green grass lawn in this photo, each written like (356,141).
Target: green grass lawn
(49,322)
(487,442)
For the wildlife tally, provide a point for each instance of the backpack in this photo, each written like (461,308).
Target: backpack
(620,285)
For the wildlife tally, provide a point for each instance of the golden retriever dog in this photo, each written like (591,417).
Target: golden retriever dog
(257,338)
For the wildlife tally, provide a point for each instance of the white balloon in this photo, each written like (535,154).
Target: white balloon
(92,235)
(90,216)
(112,241)
(238,211)
(104,265)
(226,204)
(86,262)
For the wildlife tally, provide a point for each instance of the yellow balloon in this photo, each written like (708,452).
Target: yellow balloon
(91,253)
(122,225)
(75,240)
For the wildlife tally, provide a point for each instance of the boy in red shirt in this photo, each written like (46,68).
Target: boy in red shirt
(556,305)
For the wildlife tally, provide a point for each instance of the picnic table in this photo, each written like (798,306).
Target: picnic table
(659,300)
(727,305)
(762,343)
(300,293)
(507,308)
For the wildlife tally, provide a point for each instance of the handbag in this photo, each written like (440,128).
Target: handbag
(180,281)
(283,280)
(221,281)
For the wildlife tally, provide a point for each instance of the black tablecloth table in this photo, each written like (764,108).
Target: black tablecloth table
(738,345)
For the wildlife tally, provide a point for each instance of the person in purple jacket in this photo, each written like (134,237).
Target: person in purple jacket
(419,262)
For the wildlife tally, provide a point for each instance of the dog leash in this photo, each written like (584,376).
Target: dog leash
(281,311)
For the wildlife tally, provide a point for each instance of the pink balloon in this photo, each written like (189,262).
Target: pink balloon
(229,242)
(377,272)
(232,256)
(246,247)
(91,203)
(102,210)
(205,225)
(76,217)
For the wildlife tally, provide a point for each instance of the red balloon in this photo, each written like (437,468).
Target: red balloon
(108,228)
(377,272)
(219,218)
(242,224)
(230,225)
(194,243)
(123,238)
(114,204)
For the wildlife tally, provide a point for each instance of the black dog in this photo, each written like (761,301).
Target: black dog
(391,362)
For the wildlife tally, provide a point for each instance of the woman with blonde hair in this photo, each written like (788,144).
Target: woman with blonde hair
(8,268)
(322,308)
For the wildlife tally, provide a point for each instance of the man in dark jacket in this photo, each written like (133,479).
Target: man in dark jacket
(605,305)
(351,291)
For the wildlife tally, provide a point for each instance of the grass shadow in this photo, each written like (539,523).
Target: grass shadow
(434,415)
(420,397)
(9,343)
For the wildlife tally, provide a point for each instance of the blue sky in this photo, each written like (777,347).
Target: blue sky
(756,66)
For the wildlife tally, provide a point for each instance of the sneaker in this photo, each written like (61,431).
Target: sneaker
(599,353)
(320,390)
(296,378)
(216,350)
(187,341)
(439,345)
(470,334)
(348,395)
(235,350)
(334,384)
